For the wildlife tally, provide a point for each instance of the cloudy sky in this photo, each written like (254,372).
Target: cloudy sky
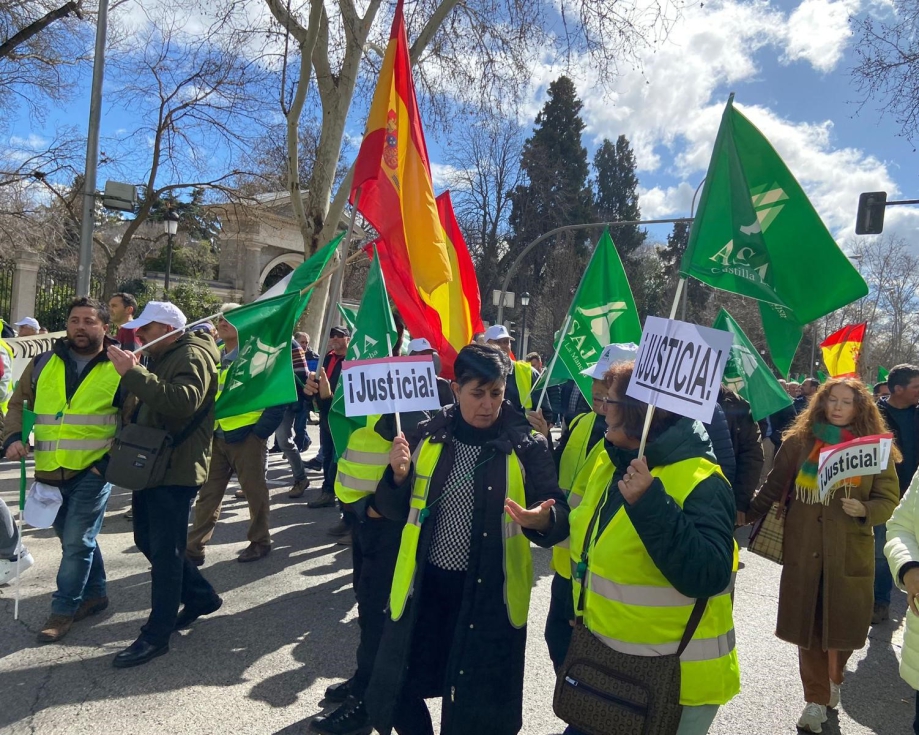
(789,64)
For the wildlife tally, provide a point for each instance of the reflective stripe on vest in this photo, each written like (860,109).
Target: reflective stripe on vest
(632,608)
(363,463)
(77,434)
(231,423)
(523,376)
(577,484)
(518,561)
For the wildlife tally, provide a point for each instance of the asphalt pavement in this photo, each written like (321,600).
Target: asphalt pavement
(288,629)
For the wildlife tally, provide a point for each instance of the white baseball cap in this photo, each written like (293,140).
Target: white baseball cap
(28,322)
(419,344)
(42,505)
(162,312)
(496,332)
(620,352)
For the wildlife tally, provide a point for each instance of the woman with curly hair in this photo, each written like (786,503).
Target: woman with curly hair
(826,594)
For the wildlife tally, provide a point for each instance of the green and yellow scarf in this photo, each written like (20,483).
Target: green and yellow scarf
(807,488)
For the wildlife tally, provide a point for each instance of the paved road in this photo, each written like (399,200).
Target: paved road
(288,628)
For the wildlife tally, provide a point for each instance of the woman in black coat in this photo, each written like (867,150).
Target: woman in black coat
(454,638)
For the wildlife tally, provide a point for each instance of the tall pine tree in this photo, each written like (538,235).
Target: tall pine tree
(554,163)
(617,193)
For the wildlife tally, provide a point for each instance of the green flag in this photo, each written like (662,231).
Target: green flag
(748,375)
(262,375)
(602,312)
(756,233)
(349,315)
(28,422)
(373,336)
(882,374)
(783,335)
(821,376)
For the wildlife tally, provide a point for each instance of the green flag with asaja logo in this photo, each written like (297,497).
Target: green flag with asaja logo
(747,374)
(602,312)
(262,375)
(756,233)
(373,337)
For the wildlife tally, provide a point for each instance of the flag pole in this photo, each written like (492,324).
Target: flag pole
(650,412)
(552,362)
(335,290)
(203,319)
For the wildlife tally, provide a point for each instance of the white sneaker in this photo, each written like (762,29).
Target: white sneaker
(8,566)
(834,695)
(812,718)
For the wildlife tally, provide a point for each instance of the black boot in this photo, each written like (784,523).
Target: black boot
(338,693)
(349,719)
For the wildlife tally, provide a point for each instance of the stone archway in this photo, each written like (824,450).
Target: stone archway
(288,259)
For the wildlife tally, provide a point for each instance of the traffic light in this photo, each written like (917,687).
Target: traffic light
(870,217)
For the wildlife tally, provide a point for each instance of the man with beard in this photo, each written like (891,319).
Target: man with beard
(73,389)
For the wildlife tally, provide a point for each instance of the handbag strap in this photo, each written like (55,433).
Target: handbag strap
(195,423)
(698,609)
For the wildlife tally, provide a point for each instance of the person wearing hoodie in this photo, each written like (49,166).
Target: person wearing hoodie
(175,392)
(74,390)
(652,536)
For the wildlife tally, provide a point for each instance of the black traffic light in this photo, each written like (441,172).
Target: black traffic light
(870,217)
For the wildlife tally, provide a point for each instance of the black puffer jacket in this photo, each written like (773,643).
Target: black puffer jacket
(483,689)
(720,435)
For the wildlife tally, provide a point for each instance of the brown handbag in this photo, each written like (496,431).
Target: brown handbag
(601,691)
(767,539)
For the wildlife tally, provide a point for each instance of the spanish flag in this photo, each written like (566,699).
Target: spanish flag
(842,349)
(458,302)
(392,172)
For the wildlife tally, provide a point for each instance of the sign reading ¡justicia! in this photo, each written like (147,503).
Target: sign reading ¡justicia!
(389,385)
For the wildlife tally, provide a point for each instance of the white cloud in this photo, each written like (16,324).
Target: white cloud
(442,175)
(32,142)
(818,32)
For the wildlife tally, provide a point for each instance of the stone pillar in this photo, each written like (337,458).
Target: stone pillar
(252,271)
(25,285)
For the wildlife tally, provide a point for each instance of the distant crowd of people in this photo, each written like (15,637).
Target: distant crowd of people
(441,508)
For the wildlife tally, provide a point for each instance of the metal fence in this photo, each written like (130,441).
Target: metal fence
(6,288)
(56,289)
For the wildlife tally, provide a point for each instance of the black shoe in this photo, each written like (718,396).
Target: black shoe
(349,719)
(340,529)
(338,693)
(314,464)
(188,616)
(139,652)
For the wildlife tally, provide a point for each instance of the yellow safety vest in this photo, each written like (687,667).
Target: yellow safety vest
(518,562)
(4,405)
(630,605)
(523,375)
(232,422)
(73,435)
(363,463)
(573,476)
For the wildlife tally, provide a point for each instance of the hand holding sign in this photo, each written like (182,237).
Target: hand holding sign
(325,389)
(854,508)
(636,481)
(538,422)
(399,458)
(311,387)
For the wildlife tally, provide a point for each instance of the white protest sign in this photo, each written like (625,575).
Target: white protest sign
(679,367)
(389,385)
(867,455)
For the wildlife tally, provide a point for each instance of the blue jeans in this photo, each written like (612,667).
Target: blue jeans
(301,438)
(81,575)
(883,580)
(284,438)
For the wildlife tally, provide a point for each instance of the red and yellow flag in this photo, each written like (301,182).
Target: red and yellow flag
(393,174)
(841,350)
(458,302)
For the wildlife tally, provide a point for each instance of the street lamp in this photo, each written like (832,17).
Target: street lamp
(525,302)
(171,226)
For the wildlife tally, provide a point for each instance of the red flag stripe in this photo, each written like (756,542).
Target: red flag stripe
(849,333)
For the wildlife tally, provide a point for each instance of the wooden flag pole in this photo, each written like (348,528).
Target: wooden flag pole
(551,366)
(650,412)
(335,290)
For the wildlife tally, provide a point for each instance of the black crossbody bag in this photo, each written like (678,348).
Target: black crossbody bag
(601,691)
(140,455)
